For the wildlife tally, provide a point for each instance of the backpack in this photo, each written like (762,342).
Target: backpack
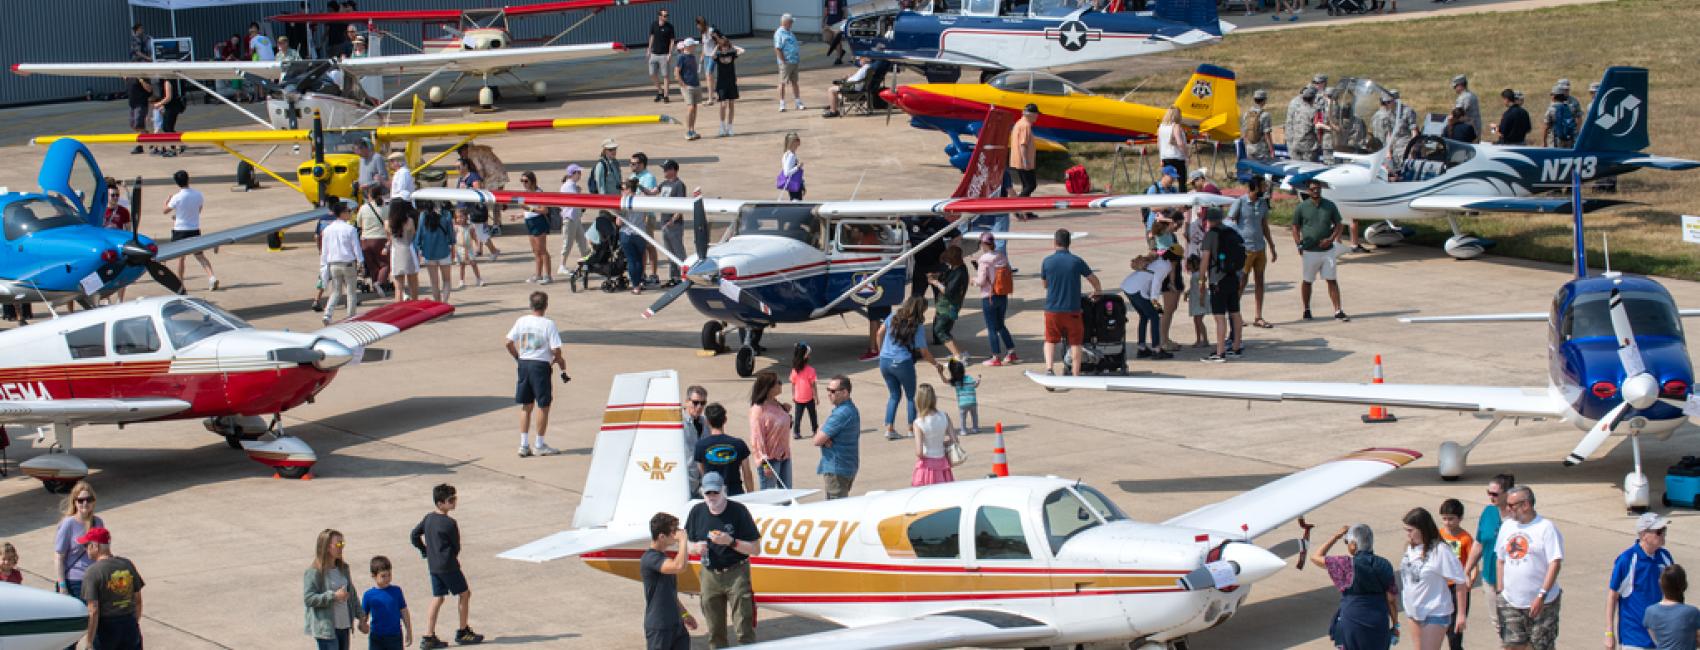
(1251,126)
(1076,180)
(1003,281)
(1563,122)
(1230,252)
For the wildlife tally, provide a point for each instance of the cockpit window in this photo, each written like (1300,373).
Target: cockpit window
(37,214)
(1650,314)
(998,535)
(1066,515)
(189,321)
(1106,508)
(1054,8)
(980,7)
(937,536)
(795,222)
(1037,83)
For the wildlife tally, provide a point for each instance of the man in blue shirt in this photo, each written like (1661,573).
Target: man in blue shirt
(1634,584)
(838,440)
(790,56)
(1061,274)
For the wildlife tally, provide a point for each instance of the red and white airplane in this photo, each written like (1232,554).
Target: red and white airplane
(177,358)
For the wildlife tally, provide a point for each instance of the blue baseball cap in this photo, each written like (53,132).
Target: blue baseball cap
(1171,172)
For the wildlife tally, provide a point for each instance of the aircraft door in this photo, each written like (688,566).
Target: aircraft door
(1002,544)
(69,170)
(857,248)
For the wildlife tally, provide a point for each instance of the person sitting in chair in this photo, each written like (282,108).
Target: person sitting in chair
(832,94)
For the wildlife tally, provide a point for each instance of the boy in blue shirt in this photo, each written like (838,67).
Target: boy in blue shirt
(392,626)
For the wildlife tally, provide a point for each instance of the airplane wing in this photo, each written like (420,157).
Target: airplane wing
(79,411)
(1280,169)
(877,208)
(1662,162)
(173,250)
(963,628)
(441,15)
(190,69)
(1261,510)
(475,61)
(1525,317)
(1458,203)
(384,133)
(384,322)
(568,543)
(1497,400)
(585,201)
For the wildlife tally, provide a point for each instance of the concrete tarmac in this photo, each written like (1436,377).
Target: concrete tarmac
(222,544)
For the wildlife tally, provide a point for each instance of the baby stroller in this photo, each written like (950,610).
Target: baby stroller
(1346,7)
(605,258)
(1105,349)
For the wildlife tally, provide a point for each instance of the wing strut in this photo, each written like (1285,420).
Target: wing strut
(402,93)
(572,27)
(227,102)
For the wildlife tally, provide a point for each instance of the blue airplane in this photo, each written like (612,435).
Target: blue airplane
(1441,178)
(1617,364)
(56,249)
(941,37)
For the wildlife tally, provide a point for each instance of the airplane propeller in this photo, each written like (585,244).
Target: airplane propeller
(137,254)
(705,270)
(1640,389)
(290,89)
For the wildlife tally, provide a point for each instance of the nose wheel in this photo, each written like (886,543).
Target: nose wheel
(267,443)
(746,362)
(714,336)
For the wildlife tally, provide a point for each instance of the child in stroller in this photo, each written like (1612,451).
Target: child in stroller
(605,258)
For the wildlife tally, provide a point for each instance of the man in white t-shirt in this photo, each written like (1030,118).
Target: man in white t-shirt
(535,343)
(1531,552)
(184,207)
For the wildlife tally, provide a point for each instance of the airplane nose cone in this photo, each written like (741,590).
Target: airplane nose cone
(1641,390)
(892,97)
(332,355)
(1255,562)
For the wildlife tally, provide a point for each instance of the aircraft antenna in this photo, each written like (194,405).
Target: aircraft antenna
(44,299)
(1605,249)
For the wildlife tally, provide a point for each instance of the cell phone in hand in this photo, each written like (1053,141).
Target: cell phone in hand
(565,378)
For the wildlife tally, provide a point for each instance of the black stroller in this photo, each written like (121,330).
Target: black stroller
(1347,7)
(605,258)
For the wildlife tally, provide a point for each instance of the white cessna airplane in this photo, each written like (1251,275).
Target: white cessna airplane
(34,619)
(1006,562)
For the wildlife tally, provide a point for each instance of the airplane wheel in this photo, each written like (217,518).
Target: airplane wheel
(293,472)
(234,442)
(746,362)
(58,487)
(711,335)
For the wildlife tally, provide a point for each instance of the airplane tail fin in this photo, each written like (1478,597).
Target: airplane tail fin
(984,174)
(1617,120)
(1210,96)
(637,466)
(1197,13)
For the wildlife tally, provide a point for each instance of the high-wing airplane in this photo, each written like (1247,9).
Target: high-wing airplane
(795,262)
(943,37)
(1617,365)
(1068,113)
(1446,178)
(176,358)
(1005,562)
(471,32)
(57,249)
(35,619)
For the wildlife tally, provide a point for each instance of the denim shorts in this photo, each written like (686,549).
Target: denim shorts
(1436,620)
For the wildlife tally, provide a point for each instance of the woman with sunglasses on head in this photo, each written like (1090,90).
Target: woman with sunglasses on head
(71,558)
(327,590)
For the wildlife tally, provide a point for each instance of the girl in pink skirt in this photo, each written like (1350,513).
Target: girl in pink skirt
(933,432)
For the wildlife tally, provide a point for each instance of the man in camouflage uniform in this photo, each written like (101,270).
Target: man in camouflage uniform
(1404,129)
(1325,122)
(1381,124)
(1301,126)
(1257,128)
(1549,133)
(1469,102)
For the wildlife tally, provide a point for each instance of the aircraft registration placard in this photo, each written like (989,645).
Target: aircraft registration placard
(1691,228)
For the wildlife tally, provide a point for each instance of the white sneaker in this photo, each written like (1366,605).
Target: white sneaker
(524,451)
(800,105)
(545,280)
(543,449)
(562,270)
(480,282)
(212,284)
(327,319)
(460,286)
(782,106)
(893,435)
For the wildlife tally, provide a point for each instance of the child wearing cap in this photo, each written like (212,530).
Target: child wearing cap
(686,71)
(572,229)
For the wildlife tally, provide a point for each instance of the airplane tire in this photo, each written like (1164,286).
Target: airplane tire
(293,472)
(746,362)
(711,336)
(235,442)
(57,487)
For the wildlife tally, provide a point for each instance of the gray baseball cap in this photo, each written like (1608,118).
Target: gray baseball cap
(1458,79)
(712,482)
(1260,94)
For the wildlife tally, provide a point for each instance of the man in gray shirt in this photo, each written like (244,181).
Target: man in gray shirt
(1467,100)
(673,229)
(1249,216)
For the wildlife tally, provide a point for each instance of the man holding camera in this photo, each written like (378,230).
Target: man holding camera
(535,343)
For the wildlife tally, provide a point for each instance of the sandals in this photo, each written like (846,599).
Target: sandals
(1262,323)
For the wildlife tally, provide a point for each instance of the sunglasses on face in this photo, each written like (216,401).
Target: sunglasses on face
(699,402)
(85,499)
(340,544)
(1516,504)
(1492,494)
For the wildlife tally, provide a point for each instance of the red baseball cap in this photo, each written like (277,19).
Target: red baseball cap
(96,535)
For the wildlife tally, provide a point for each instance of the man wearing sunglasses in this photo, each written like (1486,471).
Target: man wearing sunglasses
(1531,552)
(724,534)
(1634,584)
(838,440)
(696,399)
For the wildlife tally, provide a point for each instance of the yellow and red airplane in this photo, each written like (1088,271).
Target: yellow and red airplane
(1005,562)
(1067,112)
(335,174)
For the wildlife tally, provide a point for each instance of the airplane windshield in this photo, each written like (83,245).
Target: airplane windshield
(34,215)
(1053,8)
(1650,314)
(1106,508)
(795,221)
(190,320)
(1037,83)
(1065,516)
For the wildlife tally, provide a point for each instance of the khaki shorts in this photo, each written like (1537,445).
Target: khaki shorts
(658,65)
(693,95)
(1256,260)
(787,72)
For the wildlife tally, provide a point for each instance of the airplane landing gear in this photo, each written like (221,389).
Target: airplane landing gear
(1452,456)
(58,470)
(750,345)
(714,336)
(746,362)
(268,444)
(236,429)
(1463,245)
(1636,494)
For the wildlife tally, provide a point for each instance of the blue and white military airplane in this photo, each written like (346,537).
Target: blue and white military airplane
(58,250)
(1446,178)
(943,37)
(1617,364)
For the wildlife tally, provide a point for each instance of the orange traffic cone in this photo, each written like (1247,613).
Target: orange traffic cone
(1000,461)
(1378,414)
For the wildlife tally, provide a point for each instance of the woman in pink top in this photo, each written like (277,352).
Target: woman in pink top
(802,392)
(770,422)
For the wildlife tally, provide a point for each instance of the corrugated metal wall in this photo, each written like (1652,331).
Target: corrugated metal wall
(40,33)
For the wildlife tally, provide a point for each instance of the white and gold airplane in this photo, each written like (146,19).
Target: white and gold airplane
(1005,562)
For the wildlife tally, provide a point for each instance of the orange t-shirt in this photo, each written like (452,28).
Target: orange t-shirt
(1022,149)
(1460,544)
